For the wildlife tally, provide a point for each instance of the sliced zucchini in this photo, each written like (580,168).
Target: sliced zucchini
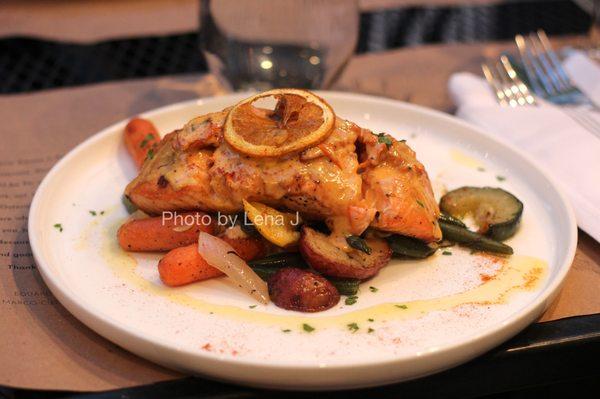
(473,240)
(496,212)
(408,246)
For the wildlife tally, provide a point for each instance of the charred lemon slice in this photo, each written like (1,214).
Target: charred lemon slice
(300,119)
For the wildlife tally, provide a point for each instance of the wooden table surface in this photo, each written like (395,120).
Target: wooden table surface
(420,74)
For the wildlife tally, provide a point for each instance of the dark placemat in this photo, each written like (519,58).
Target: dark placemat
(520,368)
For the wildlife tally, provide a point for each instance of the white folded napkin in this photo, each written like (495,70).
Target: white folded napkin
(567,151)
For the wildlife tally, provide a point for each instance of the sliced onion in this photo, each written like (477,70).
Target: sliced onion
(222,256)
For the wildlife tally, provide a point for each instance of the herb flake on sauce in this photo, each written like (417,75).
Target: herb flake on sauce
(351,300)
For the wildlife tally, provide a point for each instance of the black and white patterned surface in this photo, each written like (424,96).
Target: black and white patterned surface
(29,64)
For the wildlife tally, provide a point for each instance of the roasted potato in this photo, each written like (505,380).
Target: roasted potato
(326,258)
(302,290)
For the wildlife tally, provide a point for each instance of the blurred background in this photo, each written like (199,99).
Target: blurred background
(56,43)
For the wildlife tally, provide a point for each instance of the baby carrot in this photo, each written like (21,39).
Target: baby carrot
(248,248)
(163,234)
(140,138)
(184,265)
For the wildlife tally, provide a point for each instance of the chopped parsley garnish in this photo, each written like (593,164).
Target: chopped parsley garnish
(402,306)
(371,320)
(384,139)
(101,212)
(353,327)
(148,137)
(93,213)
(287,330)
(58,227)
(500,178)
(150,154)
(351,300)
(446,253)
(252,306)
(370,330)
(373,289)
(420,204)
(359,243)
(308,328)
(481,169)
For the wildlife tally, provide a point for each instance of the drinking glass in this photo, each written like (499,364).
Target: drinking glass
(595,31)
(264,44)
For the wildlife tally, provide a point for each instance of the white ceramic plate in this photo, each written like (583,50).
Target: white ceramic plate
(421,317)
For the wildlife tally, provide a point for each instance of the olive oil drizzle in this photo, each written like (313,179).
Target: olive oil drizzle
(518,273)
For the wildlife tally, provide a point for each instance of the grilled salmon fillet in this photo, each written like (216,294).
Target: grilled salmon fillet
(352,179)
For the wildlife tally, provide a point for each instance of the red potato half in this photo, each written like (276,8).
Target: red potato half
(330,260)
(302,290)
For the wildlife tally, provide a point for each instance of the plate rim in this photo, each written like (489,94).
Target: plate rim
(495,334)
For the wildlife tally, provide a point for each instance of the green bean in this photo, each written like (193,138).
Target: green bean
(359,243)
(129,206)
(345,286)
(444,217)
(264,272)
(408,246)
(473,240)
(281,259)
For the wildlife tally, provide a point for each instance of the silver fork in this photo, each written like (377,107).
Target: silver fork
(506,84)
(549,80)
